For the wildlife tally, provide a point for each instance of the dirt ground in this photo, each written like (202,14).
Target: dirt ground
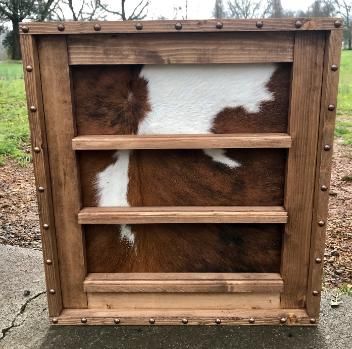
(19,219)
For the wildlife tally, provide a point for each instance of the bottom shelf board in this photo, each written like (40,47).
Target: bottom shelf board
(184,317)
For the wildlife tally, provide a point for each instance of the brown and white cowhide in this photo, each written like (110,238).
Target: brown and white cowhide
(182,99)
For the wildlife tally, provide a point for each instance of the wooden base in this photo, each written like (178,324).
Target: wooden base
(182,317)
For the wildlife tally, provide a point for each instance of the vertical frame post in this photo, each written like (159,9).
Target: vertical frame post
(323,169)
(303,128)
(42,172)
(56,87)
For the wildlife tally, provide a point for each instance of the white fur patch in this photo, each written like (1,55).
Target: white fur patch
(186,98)
(112,183)
(127,234)
(218,155)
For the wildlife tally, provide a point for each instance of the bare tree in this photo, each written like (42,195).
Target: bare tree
(219,9)
(139,11)
(343,8)
(249,8)
(277,10)
(15,11)
(83,10)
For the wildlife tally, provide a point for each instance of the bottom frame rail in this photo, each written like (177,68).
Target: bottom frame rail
(180,317)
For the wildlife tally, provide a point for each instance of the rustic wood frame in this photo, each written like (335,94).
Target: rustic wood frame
(313,47)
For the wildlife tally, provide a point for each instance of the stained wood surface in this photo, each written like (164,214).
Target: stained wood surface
(175,317)
(194,214)
(185,301)
(109,142)
(323,170)
(269,24)
(42,173)
(65,185)
(303,128)
(181,48)
(179,282)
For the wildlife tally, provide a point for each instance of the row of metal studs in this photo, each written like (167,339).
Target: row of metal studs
(178,26)
(41,189)
(251,320)
(324,188)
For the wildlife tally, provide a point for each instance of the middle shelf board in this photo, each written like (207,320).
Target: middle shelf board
(182,214)
(238,140)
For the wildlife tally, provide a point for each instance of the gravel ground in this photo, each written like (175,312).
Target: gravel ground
(19,219)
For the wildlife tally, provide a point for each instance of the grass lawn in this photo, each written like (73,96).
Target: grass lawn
(14,132)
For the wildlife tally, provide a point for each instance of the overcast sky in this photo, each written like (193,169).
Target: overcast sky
(200,9)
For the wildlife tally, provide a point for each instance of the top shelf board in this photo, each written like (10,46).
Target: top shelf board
(228,25)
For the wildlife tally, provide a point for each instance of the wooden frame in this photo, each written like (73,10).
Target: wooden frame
(291,297)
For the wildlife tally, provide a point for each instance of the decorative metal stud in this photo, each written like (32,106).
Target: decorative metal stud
(116,321)
(283,320)
(29,68)
(327,147)
(321,223)
(25,29)
(152,321)
(36,149)
(84,320)
(318,260)
(298,24)
(219,25)
(32,108)
(331,107)
(337,23)
(178,26)
(46,226)
(139,26)
(323,188)
(52,291)
(315,293)
(313,320)
(41,189)
(334,67)
(61,27)
(251,320)
(54,320)
(49,261)
(185,321)
(97,27)
(259,24)
(218,321)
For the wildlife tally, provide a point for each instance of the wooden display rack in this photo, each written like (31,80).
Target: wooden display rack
(291,297)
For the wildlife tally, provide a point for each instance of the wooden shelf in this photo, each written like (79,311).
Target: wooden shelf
(184,214)
(184,282)
(254,140)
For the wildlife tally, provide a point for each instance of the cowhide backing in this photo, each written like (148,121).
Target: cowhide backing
(182,99)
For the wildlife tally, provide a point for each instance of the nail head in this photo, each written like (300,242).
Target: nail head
(334,67)
(52,291)
(152,321)
(97,27)
(25,29)
(116,321)
(318,260)
(219,25)
(218,321)
(139,26)
(32,108)
(315,293)
(54,320)
(185,321)
(313,320)
(298,24)
(324,188)
(337,23)
(327,147)
(37,149)
(41,189)
(61,27)
(251,320)
(29,68)
(84,320)
(331,107)
(46,226)
(49,261)
(178,26)
(283,320)
(259,24)
(321,223)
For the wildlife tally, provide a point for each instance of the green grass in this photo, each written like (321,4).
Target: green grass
(343,128)
(14,131)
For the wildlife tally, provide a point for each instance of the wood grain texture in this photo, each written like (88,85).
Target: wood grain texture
(323,170)
(65,186)
(181,48)
(42,172)
(185,301)
(194,214)
(269,24)
(177,282)
(303,128)
(174,317)
(110,142)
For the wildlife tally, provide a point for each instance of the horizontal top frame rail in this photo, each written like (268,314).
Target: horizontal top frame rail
(184,214)
(109,142)
(272,24)
(184,282)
